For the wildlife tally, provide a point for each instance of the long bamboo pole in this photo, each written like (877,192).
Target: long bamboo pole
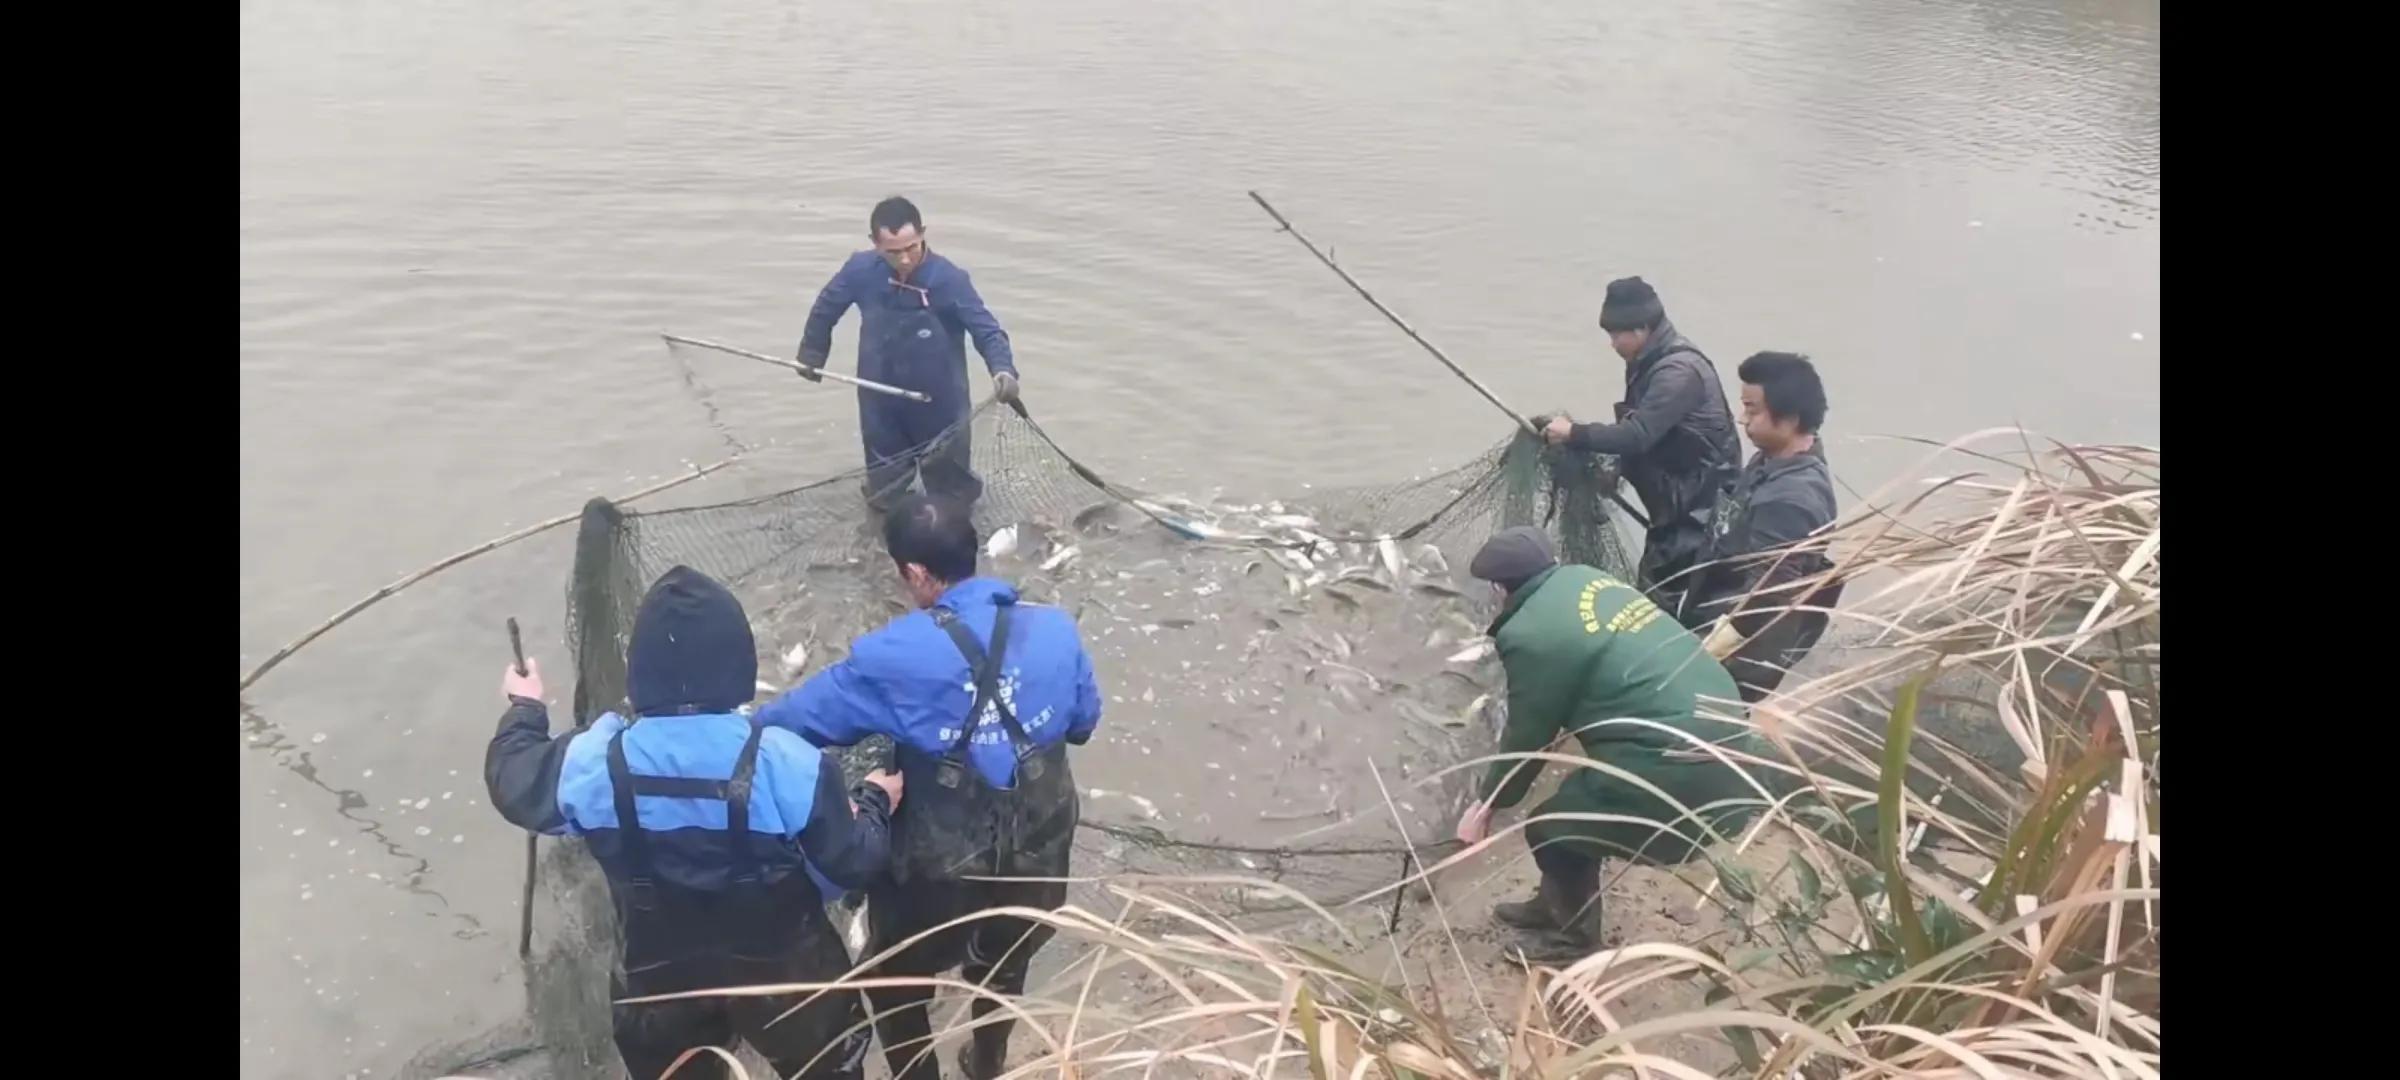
(379,595)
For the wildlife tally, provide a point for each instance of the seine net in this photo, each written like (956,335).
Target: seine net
(1284,681)
(1332,633)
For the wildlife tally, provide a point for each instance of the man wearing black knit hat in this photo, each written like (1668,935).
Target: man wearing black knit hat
(1673,432)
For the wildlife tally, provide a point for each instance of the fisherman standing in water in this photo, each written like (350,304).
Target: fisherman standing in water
(708,826)
(982,695)
(1673,432)
(916,310)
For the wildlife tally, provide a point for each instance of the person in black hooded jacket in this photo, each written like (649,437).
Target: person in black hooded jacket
(1673,433)
(719,837)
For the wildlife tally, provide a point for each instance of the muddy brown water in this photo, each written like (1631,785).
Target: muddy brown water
(463,225)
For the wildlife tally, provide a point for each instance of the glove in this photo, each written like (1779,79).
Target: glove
(1723,640)
(1004,386)
(1475,824)
(810,365)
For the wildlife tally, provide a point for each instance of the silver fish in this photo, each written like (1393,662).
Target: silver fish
(1472,653)
(1095,514)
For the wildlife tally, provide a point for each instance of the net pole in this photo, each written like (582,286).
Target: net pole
(814,373)
(1429,347)
(379,595)
(1517,417)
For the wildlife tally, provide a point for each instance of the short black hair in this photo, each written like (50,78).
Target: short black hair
(934,532)
(1790,385)
(892,215)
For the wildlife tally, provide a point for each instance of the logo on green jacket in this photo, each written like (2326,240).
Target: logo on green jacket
(1637,613)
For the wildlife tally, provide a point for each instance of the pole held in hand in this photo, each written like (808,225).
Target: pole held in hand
(795,365)
(516,646)
(1411,331)
(1530,427)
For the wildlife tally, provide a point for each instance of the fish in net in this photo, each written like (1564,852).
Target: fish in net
(1332,632)
(1282,679)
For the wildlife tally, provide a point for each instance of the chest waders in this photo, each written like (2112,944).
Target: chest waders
(753,931)
(900,435)
(954,825)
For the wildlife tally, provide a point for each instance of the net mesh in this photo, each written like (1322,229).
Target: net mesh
(1285,682)
(1314,625)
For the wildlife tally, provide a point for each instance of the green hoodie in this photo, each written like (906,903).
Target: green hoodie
(1581,647)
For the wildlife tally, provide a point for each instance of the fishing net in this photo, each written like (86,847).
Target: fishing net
(1283,679)
(1330,633)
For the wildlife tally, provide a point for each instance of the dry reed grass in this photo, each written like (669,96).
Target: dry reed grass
(2028,585)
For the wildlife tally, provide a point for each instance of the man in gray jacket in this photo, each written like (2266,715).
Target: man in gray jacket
(1673,433)
(1754,585)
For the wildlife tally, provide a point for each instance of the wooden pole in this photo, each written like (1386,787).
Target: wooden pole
(817,373)
(1411,331)
(1438,354)
(378,595)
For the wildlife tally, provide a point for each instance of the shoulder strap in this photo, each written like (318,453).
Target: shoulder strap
(987,675)
(629,821)
(734,792)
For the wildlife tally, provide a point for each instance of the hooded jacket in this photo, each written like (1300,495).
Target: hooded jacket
(691,663)
(908,681)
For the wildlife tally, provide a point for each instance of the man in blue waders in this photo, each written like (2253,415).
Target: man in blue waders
(916,309)
(713,831)
(981,695)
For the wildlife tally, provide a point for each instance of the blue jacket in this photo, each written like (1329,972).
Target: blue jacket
(889,350)
(800,817)
(908,681)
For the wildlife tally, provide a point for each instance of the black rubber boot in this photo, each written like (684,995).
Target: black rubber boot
(983,1057)
(1571,885)
(1538,913)
(906,1031)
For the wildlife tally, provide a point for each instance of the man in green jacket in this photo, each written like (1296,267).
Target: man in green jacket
(1590,655)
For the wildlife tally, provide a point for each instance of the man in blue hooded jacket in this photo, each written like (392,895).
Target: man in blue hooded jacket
(915,309)
(707,825)
(981,695)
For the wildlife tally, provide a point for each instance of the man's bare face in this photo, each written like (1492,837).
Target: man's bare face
(903,249)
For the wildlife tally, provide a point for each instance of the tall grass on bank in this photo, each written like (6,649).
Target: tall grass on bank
(1969,801)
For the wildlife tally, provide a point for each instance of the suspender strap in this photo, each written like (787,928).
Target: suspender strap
(733,791)
(629,821)
(987,675)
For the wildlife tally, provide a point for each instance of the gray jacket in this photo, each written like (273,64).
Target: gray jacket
(1773,504)
(1673,430)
